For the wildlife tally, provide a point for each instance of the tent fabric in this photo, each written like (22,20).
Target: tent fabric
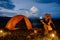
(14,20)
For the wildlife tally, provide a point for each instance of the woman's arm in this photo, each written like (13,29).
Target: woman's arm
(42,21)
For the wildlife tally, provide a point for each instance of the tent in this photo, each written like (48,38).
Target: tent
(19,21)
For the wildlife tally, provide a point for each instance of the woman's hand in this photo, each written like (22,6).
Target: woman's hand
(42,21)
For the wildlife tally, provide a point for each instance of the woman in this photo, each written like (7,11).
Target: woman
(48,24)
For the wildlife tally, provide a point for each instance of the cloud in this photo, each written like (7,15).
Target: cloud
(7,10)
(7,14)
(6,4)
(57,1)
(47,1)
(24,9)
(26,12)
(10,13)
(44,1)
(5,0)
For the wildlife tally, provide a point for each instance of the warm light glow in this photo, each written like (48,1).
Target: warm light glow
(52,35)
(41,17)
(1,31)
(28,36)
(35,31)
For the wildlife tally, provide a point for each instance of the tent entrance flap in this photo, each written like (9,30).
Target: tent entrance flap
(21,24)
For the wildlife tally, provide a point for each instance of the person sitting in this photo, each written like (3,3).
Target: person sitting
(48,23)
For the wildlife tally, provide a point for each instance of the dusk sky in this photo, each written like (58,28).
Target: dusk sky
(30,8)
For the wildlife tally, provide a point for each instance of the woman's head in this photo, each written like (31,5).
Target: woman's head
(47,16)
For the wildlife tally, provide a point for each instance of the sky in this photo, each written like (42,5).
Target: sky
(30,8)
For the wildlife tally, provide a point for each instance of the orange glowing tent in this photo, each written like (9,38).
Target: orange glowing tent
(19,20)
